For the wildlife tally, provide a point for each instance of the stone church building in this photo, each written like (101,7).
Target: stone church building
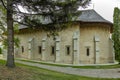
(86,41)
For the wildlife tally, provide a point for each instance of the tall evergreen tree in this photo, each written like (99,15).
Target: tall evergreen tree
(116,33)
(35,15)
(10,33)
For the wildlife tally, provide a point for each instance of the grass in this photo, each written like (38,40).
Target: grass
(84,67)
(24,72)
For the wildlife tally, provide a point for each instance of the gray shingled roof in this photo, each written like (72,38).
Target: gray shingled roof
(85,16)
(91,16)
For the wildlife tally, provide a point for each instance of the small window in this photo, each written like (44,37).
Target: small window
(39,49)
(22,49)
(68,50)
(88,51)
(53,50)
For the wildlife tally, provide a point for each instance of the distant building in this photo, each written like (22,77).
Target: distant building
(87,41)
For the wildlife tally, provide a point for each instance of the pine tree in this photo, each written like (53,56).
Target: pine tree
(58,11)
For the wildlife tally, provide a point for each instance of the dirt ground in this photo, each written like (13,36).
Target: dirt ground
(18,73)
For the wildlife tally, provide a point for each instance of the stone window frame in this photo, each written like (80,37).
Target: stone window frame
(52,50)
(67,49)
(22,47)
(40,49)
(87,51)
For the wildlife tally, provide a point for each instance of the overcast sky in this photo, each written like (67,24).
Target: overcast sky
(105,7)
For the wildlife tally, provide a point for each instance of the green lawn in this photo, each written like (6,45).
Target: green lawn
(84,67)
(24,72)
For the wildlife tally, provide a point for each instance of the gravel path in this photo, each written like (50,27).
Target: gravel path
(99,73)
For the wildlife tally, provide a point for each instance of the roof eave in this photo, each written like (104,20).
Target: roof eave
(108,23)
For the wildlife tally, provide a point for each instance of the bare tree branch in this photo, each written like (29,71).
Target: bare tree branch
(21,23)
(3,4)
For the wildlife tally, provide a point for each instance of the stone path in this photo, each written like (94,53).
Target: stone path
(99,73)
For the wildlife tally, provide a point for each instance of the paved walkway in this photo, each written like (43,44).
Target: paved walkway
(100,73)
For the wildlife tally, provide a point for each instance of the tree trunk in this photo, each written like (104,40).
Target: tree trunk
(10,35)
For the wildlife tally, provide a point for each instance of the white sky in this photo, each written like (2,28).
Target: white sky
(105,8)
